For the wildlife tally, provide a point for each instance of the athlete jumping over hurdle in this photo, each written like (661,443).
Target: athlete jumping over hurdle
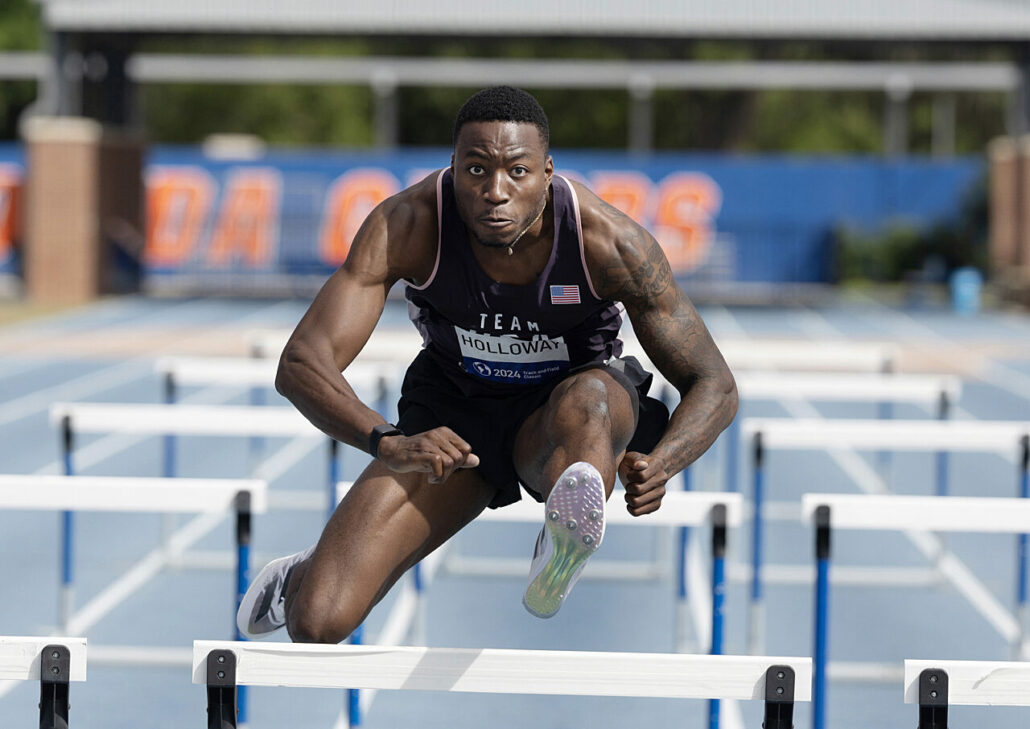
(516,278)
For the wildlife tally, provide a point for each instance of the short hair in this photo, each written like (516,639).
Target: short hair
(503,103)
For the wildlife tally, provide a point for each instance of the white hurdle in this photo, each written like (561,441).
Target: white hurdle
(895,513)
(51,661)
(765,434)
(937,392)
(797,354)
(251,372)
(679,509)
(935,685)
(398,345)
(124,494)
(223,666)
(197,420)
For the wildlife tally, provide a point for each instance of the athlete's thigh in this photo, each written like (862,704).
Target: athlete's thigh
(386,523)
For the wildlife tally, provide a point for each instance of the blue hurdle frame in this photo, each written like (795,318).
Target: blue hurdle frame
(758,465)
(718,517)
(243,531)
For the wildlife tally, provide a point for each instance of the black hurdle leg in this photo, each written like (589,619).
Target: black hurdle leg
(54,671)
(221,690)
(933,699)
(779,698)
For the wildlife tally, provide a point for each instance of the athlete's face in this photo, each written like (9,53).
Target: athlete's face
(501,177)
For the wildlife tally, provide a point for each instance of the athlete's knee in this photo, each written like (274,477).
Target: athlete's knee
(580,402)
(316,621)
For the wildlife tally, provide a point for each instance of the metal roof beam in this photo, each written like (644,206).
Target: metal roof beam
(548,73)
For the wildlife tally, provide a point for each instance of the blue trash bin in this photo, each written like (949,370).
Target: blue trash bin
(966,287)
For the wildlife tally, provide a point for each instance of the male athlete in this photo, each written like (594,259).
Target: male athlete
(516,279)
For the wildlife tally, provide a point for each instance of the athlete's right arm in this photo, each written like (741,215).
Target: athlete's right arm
(397,240)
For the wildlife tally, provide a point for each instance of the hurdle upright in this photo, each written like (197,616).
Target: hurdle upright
(767,434)
(54,662)
(222,666)
(894,513)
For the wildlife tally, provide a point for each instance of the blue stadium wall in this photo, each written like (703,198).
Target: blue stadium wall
(286,219)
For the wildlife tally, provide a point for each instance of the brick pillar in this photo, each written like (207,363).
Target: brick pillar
(84,197)
(1004,222)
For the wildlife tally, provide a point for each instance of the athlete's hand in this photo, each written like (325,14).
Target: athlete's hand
(644,478)
(438,452)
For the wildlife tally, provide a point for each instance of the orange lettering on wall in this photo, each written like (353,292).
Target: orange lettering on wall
(248,218)
(351,198)
(628,191)
(10,209)
(684,219)
(178,204)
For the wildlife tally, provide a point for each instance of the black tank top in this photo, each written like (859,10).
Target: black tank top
(495,338)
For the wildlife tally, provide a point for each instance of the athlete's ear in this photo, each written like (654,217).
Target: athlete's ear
(452,164)
(549,168)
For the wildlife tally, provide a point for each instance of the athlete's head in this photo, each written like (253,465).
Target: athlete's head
(502,170)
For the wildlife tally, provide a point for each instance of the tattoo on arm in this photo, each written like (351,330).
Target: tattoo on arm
(640,276)
(673,335)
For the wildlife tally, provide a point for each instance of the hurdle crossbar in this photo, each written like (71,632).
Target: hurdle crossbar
(657,675)
(251,372)
(679,508)
(220,420)
(796,355)
(931,513)
(94,493)
(385,345)
(891,435)
(848,387)
(20,657)
(973,683)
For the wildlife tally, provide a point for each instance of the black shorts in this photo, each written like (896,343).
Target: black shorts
(429,400)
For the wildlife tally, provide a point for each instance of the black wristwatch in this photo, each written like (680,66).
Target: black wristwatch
(378,433)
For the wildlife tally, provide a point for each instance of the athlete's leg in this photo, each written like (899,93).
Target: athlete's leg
(589,417)
(567,450)
(387,523)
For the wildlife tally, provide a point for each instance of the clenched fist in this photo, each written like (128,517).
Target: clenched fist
(439,452)
(644,478)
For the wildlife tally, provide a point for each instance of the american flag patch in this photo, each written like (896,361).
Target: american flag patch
(565,294)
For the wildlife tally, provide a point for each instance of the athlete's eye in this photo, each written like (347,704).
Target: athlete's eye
(476,170)
(519,171)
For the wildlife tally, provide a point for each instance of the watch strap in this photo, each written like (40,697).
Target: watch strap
(378,433)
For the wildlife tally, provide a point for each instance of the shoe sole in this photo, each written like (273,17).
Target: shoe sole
(250,598)
(577,499)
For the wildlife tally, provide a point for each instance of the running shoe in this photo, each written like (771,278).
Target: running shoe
(263,607)
(572,531)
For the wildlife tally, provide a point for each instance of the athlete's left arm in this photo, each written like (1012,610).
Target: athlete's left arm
(627,264)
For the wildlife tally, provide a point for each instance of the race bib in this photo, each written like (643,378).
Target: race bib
(510,359)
